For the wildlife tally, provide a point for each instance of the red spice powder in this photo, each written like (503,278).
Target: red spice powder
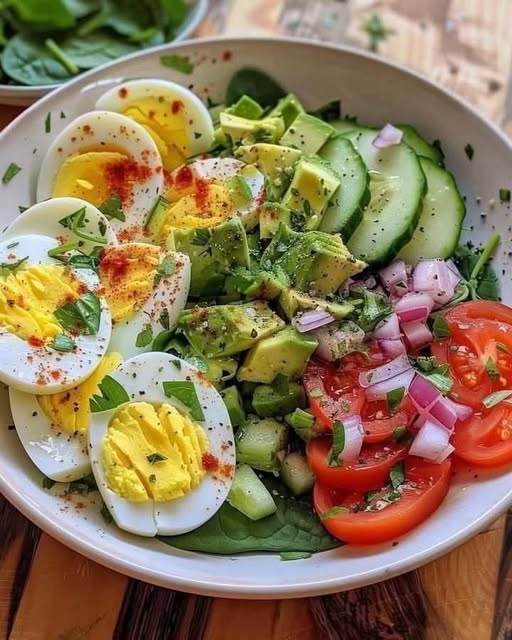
(114,264)
(177,106)
(210,462)
(123,92)
(87,129)
(184,177)
(226,56)
(227,470)
(55,374)
(34,341)
(121,176)
(201,192)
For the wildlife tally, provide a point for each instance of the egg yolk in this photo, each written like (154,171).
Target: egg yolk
(153,453)
(165,123)
(69,411)
(127,275)
(30,296)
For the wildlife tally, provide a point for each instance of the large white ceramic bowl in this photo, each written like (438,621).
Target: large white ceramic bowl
(377,92)
(25,95)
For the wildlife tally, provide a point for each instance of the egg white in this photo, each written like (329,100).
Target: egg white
(107,128)
(199,123)
(21,365)
(171,293)
(142,378)
(43,219)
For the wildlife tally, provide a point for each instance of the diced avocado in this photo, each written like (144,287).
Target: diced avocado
(313,185)
(259,443)
(303,423)
(220,138)
(156,219)
(307,133)
(275,162)
(269,129)
(223,330)
(286,352)
(296,474)
(268,400)
(249,495)
(272,215)
(255,248)
(292,301)
(257,284)
(316,262)
(213,253)
(288,108)
(234,405)
(246,107)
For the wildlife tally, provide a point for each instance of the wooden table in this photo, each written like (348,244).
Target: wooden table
(48,592)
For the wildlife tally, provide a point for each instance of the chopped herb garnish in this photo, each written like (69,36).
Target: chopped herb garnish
(185,392)
(47,483)
(63,248)
(239,185)
(316,392)
(12,267)
(48,122)
(153,458)
(394,399)
(112,209)
(504,195)
(374,309)
(81,316)
(12,245)
(495,398)
(152,478)
(201,237)
(440,328)
(106,515)
(75,222)
(481,279)
(492,370)
(178,63)
(177,364)
(333,512)
(436,374)
(12,170)
(295,555)
(503,348)
(376,31)
(21,208)
(397,475)
(62,115)
(83,486)
(64,343)
(163,318)
(401,434)
(469,151)
(197,135)
(166,267)
(145,337)
(112,395)
(338,444)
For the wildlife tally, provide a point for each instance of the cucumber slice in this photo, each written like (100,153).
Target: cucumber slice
(440,224)
(234,405)
(346,212)
(259,442)
(344,126)
(296,474)
(249,495)
(397,187)
(423,148)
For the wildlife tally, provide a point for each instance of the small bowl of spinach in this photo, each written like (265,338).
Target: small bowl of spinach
(45,43)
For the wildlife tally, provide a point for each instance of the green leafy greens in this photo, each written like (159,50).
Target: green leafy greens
(186,393)
(112,395)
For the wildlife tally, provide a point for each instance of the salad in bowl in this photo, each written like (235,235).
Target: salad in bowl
(249,325)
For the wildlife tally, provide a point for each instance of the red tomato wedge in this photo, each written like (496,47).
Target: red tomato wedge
(426,486)
(486,440)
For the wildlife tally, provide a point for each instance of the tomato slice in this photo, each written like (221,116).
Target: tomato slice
(479,350)
(486,440)
(426,486)
(370,471)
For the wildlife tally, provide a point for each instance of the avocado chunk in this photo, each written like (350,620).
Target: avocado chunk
(246,107)
(313,185)
(288,108)
(213,253)
(275,162)
(156,219)
(307,133)
(315,262)
(292,302)
(259,443)
(273,214)
(269,400)
(234,405)
(257,284)
(286,352)
(247,132)
(224,330)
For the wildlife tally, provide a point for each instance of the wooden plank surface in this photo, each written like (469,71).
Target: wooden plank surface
(48,592)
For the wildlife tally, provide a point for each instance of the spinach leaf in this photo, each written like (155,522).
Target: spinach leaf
(129,17)
(28,61)
(294,527)
(43,16)
(82,8)
(256,84)
(95,49)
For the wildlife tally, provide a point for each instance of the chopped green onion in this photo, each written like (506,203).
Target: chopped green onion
(12,170)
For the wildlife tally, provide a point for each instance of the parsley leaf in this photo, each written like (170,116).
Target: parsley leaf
(112,395)
(81,316)
(185,392)
(338,444)
(145,337)
(112,209)
(397,475)
(394,399)
(166,267)
(374,309)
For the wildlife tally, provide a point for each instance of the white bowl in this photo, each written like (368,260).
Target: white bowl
(377,92)
(25,95)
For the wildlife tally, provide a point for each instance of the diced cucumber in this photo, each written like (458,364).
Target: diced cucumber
(157,218)
(423,148)
(234,405)
(269,401)
(258,443)
(249,495)
(346,210)
(302,423)
(397,187)
(439,227)
(296,474)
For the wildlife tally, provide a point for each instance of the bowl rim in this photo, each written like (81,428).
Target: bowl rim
(227,589)
(35,91)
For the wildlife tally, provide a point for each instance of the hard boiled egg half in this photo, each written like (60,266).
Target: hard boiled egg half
(174,117)
(54,324)
(161,446)
(99,155)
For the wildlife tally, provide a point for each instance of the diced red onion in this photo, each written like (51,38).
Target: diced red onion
(354,436)
(462,411)
(334,341)
(387,137)
(384,372)
(417,334)
(414,307)
(434,277)
(444,454)
(431,441)
(444,413)
(392,347)
(422,393)
(388,329)
(394,278)
(454,273)
(310,320)
(380,391)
